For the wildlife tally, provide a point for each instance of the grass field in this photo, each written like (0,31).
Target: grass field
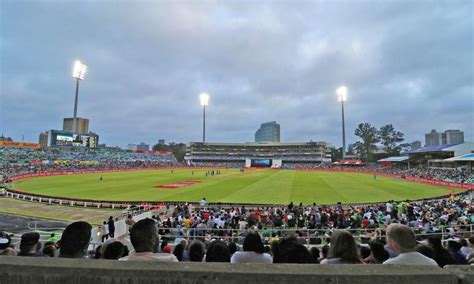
(251,186)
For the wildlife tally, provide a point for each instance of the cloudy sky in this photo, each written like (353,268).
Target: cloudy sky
(409,63)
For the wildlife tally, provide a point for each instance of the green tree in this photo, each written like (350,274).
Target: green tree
(369,136)
(390,138)
(178,149)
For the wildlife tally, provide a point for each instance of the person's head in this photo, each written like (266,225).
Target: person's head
(344,247)
(314,251)
(425,250)
(196,251)
(471,241)
(144,236)
(378,251)
(178,252)
(253,242)
(114,250)
(454,246)
(49,250)
(400,238)
(435,243)
(298,253)
(75,240)
(5,240)
(217,251)
(232,248)
(325,251)
(30,243)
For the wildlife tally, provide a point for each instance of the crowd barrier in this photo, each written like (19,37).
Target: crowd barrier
(16,270)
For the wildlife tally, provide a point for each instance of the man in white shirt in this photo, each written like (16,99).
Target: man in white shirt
(145,241)
(401,239)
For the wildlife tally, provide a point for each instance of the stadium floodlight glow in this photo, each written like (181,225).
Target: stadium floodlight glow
(204,97)
(341,94)
(79,70)
(342,97)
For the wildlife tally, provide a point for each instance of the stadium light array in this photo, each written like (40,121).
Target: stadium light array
(79,72)
(342,97)
(341,94)
(204,97)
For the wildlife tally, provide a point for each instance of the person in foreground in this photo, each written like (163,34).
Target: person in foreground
(145,241)
(343,249)
(402,240)
(253,251)
(75,240)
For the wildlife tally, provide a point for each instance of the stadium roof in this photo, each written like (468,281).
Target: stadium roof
(463,158)
(394,159)
(426,149)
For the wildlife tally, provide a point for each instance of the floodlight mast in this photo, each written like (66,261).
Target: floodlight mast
(78,72)
(342,97)
(204,97)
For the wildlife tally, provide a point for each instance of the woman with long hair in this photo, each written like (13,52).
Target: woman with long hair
(343,249)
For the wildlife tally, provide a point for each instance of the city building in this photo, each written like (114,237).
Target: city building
(138,147)
(82,125)
(43,139)
(268,132)
(161,141)
(441,138)
(3,138)
(415,145)
(454,136)
(143,147)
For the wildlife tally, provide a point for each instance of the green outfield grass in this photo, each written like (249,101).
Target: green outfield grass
(251,186)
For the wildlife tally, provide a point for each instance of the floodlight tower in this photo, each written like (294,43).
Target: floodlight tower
(204,97)
(342,97)
(78,72)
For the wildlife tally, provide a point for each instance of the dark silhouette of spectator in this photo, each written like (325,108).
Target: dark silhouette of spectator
(343,249)
(196,251)
(75,240)
(114,250)
(232,248)
(111,224)
(441,255)
(453,248)
(298,253)
(30,245)
(315,254)
(425,250)
(378,254)
(178,252)
(145,240)
(217,251)
(253,251)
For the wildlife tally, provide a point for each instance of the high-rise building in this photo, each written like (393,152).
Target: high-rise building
(454,136)
(82,125)
(441,138)
(138,147)
(143,147)
(268,132)
(43,139)
(415,145)
(433,138)
(161,141)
